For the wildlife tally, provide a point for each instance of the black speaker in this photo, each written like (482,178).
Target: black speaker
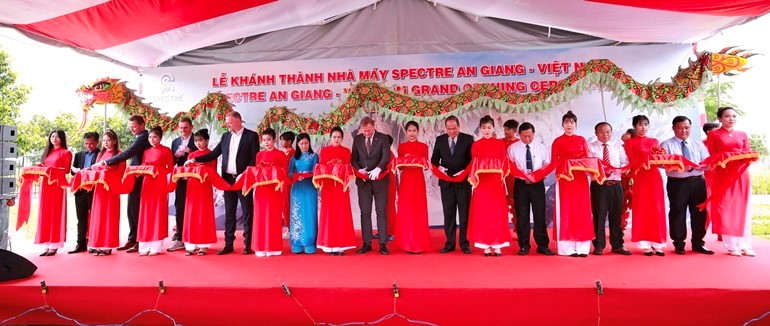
(13,266)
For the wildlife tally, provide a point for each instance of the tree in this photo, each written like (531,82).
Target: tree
(757,142)
(718,95)
(117,122)
(33,134)
(12,96)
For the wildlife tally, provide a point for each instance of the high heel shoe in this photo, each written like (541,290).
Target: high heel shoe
(51,252)
(648,252)
(659,253)
(748,252)
(735,253)
(45,253)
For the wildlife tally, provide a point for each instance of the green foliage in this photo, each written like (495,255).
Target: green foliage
(761,220)
(760,183)
(33,134)
(12,96)
(758,142)
(718,95)
(117,122)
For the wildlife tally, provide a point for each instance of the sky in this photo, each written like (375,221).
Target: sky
(55,73)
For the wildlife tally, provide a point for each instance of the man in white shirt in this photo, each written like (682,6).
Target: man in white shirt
(686,189)
(607,198)
(182,147)
(529,157)
(238,148)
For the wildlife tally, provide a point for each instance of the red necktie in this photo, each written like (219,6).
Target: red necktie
(606,157)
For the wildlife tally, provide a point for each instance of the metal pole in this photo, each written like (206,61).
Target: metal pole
(104,128)
(601,92)
(719,92)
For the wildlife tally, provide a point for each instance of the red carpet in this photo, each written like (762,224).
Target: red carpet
(445,289)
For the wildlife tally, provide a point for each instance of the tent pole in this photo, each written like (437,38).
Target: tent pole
(719,91)
(104,127)
(601,92)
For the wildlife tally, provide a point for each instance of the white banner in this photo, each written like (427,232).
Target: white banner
(317,86)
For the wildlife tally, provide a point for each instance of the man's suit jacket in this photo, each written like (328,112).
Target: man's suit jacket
(80,161)
(135,152)
(442,156)
(179,161)
(248,148)
(379,156)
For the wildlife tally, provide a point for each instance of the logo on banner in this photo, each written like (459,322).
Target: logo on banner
(168,90)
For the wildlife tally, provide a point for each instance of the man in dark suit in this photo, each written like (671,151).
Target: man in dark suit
(83,160)
(238,148)
(182,146)
(370,156)
(135,153)
(452,155)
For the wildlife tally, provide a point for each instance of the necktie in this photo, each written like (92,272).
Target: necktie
(606,156)
(686,151)
(529,160)
(452,147)
(368,145)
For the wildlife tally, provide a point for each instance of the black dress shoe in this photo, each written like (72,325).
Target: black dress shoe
(78,249)
(679,250)
(659,253)
(583,255)
(93,251)
(248,251)
(703,250)
(573,255)
(384,250)
(447,249)
(649,253)
(466,250)
(545,251)
(128,245)
(225,250)
(364,249)
(523,251)
(598,252)
(622,251)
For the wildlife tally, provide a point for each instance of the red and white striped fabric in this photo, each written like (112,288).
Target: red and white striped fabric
(147,33)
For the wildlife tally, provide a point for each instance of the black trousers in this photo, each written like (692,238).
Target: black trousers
(683,194)
(607,202)
(456,202)
(377,190)
(179,201)
(134,198)
(526,195)
(231,205)
(83,200)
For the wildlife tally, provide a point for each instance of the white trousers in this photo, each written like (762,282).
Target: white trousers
(151,246)
(567,248)
(649,244)
(732,242)
(192,246)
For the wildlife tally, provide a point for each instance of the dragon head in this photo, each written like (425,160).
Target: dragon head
(103,91)
(731,61)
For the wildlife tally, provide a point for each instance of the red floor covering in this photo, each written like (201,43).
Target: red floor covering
(444,289)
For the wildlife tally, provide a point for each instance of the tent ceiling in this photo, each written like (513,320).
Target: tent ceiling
(149,33)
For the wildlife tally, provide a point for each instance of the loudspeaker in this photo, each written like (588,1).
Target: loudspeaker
(13,266)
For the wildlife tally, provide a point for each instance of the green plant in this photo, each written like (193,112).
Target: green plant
(760,183)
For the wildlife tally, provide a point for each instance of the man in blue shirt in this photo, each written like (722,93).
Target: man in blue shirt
(686,189)
(83,160)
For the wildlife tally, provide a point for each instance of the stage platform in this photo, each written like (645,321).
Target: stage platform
(442,289)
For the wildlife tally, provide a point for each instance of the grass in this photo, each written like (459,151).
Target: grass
(761,220)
